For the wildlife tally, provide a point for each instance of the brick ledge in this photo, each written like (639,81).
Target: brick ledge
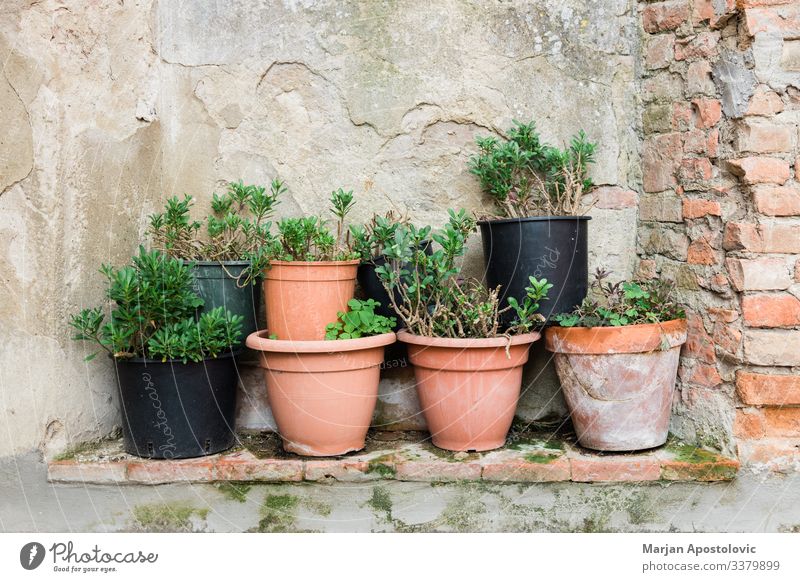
(398,456)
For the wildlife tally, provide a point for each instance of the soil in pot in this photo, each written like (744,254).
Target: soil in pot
(322,393)
(549,247)
(172,410)
(468,388)
(618,381)
(301,298)
(220,284)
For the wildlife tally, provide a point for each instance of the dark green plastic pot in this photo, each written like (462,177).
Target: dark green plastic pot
(218,283)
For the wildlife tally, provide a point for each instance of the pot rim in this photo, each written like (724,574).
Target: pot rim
(148,361)
(461,343)
(616,340)
(236,263)
(488,221)
(259,340)
(315,263)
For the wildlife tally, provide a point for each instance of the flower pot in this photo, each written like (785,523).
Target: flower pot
(218,283)
(172,410)
(301,297)
(618,381)
(468,388)
(548,247)
(322,393)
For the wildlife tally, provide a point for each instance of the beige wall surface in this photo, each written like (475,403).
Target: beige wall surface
(109,107)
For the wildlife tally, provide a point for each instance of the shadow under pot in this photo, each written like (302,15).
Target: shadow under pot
(302,297)
(322,393)
(549,247)
(219,284)
(468,388)
(618,381)
(172,410)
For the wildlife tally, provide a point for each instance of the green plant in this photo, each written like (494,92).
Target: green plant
(359,321)
(370,239)
(237,228)
(525,176)
(623,303)
(431,298)
(154,314)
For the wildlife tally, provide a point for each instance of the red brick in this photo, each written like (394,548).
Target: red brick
(772,347)
(797,271)
(615,198)
(712,144)
(608,469)
(742,4)
(768,389)
(660,161)
(344,470)
(701,253)
(647,269)
(723,315)
(520,471)
(437,471)
(727,337)
(765,102)
(699,344)
(660,51)
(668,15)
(702,10)
(699,80)
(761,274)
(716,468)
(171,471)
(782,422)
(696,208)
(771,310)
(749,424)
(781,20)
(764,138)
(700,374)
(760,170)
(682,115)
(244,466)
(762,238)
(73,471)
(777,200)
(777,454)
(695,142)
(694,170)
(702,46)
(709,112)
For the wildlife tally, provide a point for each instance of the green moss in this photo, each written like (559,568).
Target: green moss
(381,465)
(278,513)
(166,517)
(318,507)
(525,442)
(541,458)
(692,454)
(381,502)
(82,449)
(236,491)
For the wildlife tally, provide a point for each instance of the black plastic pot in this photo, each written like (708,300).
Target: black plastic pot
(218,283)
(550,247)
(172,410)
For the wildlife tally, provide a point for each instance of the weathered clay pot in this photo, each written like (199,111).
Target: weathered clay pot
(322,393)
(618,381)
(468,388)
(301,298)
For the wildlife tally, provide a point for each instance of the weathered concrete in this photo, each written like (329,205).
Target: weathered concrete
(111,107)
(750,503)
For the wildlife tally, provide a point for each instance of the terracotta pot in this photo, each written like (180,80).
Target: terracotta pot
(301,298)
(618,381)
(468,388)
(322,393)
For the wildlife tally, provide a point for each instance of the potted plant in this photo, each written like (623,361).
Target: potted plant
(616,357)
(468,369)
(175,372)
(323,392)
(540,228)
(309,273)
(236,229)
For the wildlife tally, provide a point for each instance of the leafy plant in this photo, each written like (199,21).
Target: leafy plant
(154,314)
(526,177)
(236,229)
(430,297)
(359,321)
(623,303)
(370,239)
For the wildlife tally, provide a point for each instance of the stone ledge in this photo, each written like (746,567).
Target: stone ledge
(399,456)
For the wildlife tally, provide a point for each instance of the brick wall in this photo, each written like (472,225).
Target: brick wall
(720,212)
